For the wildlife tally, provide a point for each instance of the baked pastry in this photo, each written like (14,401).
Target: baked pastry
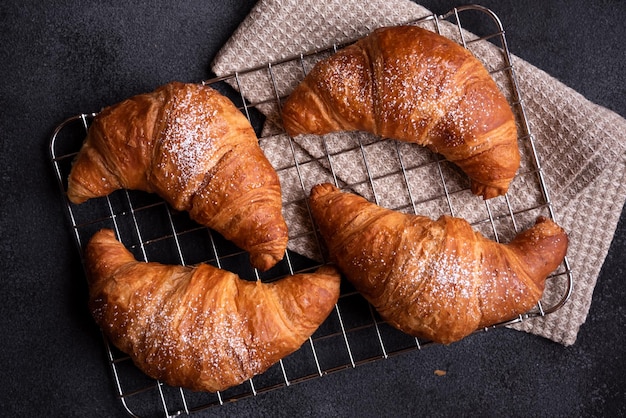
(413,85)
(201,327)
(195,149)
(435,279)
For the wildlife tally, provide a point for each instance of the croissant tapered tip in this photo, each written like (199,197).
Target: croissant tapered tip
(322,189)
(104,254)
(264,261)
(542,248)
(549,227)
(488,192)
(76,198)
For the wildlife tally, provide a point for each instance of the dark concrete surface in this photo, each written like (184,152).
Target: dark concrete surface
(61,58)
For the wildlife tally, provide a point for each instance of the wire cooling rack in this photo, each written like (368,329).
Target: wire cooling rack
(353,334)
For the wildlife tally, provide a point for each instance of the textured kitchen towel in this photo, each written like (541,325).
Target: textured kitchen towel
(581,146)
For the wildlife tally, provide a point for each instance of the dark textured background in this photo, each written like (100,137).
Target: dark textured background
(62,58)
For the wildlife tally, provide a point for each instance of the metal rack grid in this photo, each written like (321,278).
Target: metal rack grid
(353,334)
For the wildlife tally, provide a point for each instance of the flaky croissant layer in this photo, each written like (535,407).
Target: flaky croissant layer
(201,328)
(195,149)
(435,279)
(413,85)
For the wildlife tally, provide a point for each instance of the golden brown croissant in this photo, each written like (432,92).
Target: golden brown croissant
(411,84)
(193,147)
(202,328)
(438,280)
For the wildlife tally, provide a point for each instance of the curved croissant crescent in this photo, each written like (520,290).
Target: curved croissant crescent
(413,85)
(435,279)
(201,328)
(193,147)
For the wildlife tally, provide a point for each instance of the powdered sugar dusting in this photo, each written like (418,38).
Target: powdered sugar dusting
(209,335)
(443,275)
(451,276)
(188,138)
(417,89)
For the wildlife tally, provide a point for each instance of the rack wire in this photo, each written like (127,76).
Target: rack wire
(353,334)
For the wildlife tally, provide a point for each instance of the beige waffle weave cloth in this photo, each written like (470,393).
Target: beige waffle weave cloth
(581,145)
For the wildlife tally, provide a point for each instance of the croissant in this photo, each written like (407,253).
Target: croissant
(434,279)
(413,85)
(201,328)
(193,147)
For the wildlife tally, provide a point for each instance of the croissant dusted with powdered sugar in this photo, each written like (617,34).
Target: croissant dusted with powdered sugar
(411,84)
(201,328)
(435,279)
(193,147)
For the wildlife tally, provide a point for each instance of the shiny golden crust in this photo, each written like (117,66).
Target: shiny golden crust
(193,147)
(201,328)
(411,84)
(435,279)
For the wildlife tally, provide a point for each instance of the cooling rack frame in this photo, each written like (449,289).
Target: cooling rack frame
(353,320)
